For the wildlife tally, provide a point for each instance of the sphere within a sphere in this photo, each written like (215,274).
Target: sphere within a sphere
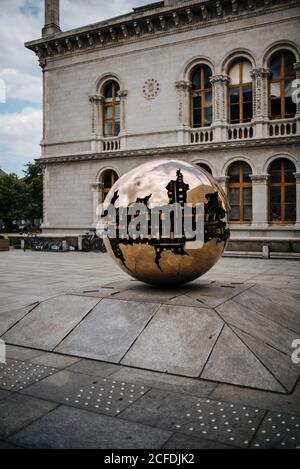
(162,261)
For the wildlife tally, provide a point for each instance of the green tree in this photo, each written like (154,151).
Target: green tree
(21,198)
(33,178)
(13,199)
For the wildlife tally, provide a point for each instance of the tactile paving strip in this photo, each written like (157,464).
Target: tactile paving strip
(15,375)
(105,396)
(218,421)
(278,431)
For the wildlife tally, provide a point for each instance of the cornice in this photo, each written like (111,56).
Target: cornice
(167,151)
(146,24)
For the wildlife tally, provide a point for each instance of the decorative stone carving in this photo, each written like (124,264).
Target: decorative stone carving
(219,83)
(151,89)
(260,78)
(183,87)
(259,178)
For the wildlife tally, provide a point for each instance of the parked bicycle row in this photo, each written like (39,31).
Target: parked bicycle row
(89,242)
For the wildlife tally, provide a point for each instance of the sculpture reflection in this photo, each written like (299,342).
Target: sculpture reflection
(172,259)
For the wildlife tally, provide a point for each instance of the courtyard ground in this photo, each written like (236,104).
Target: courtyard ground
(58,400)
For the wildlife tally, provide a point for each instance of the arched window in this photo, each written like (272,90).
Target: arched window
(282,190)
(108,178)
(111,109)
(201,97)
(281,78)
(205,167)
(240,92)
(240,192)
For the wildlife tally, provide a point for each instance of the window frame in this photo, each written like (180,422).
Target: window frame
(240,87)
(202,91)
(114,177)
(241,185)
(282,184)
(112,103)
(281,80)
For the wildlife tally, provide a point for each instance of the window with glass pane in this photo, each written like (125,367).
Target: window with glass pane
(240,192)
(108,178)
(205,167)
(240,93)
(281,78)
(201,97)
(282,191)
(111,110)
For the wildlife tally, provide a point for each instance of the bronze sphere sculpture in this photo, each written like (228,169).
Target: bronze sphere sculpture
(159,258)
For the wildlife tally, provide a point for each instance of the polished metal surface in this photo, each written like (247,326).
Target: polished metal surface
(170,261)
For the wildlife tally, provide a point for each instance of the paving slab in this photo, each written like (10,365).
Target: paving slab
(178,340)
(10,318)
(18,411)
(256,325)
(203,418)
(17,301)
(267,400)
(271,304)
(232,362)
(16,375)
(180,441)
(165,381)
(55,360)
(94,368)
(215,293)
(21,353)
(109,330)
(95,292)
(47,325)
(279,364)
(147,293)
(100,395)
(70,428)
(278,431)
(4,394)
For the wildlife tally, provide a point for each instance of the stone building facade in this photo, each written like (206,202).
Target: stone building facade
(211,82)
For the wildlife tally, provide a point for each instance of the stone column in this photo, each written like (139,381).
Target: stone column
(260,119)
(96,120)
(183,87)
(45,196)
(223,180)
(297,177)
(220,106)
(97,193)
(297,68)
(123,121)
(260,200)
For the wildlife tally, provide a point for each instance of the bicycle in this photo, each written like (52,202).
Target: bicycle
(92,242)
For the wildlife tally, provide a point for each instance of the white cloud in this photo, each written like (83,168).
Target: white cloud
(21,21)
(20,133)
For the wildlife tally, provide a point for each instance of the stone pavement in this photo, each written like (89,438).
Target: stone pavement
(64,399)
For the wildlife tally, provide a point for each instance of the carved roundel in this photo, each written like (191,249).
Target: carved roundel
(151,89)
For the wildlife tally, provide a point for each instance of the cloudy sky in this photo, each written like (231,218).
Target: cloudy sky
(21,113)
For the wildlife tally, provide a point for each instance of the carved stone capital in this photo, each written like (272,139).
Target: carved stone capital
(219,79)
(297,67)
(183,85)
(122,94)
(96,99)
(97,187)
(259,178)
(222,179)
(297,177)
(260,72)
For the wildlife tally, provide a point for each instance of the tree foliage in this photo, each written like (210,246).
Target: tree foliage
(21,198)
